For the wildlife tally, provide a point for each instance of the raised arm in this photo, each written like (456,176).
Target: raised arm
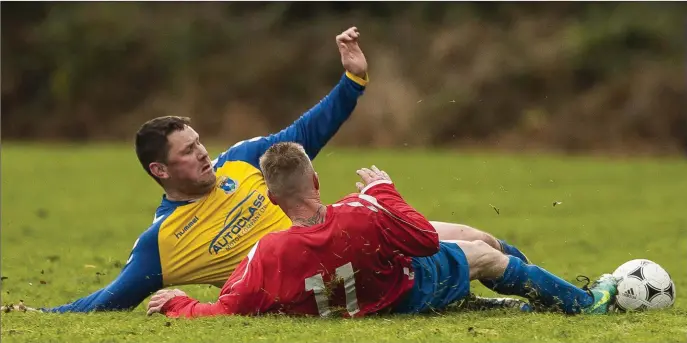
(317,126)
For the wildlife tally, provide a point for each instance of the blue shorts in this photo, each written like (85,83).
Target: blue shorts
(440,279)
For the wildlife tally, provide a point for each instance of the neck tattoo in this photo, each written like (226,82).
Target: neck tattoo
(317,218)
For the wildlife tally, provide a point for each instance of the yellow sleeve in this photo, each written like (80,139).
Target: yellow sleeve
(358,80)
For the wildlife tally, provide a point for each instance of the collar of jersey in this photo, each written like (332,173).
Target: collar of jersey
(172,203)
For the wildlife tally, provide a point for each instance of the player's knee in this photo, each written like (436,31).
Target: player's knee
(482,246)
(489,239)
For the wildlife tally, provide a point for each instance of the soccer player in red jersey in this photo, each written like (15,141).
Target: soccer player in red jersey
(369,253)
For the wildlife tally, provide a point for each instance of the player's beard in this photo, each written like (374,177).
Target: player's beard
(206,182)
(200,186)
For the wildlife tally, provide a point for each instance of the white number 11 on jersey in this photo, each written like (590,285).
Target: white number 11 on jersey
(315,283)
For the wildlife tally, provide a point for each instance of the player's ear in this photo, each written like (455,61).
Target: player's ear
(159,170)
(316,181)
(271,197)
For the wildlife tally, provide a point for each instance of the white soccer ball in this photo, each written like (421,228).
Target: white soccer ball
(643,285)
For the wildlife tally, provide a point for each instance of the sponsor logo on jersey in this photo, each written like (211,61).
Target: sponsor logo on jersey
(239,221)
(227,184)
(186,228)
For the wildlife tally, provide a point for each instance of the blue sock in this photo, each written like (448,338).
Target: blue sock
(508,250)
(541,287)
(513,251)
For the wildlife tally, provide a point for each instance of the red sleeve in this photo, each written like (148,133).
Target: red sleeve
(241,295)
(404,227)
(189,307)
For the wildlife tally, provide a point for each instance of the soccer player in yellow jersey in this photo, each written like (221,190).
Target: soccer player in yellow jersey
(213,211)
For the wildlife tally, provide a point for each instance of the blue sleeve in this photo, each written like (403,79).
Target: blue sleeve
(312,130)
(141,276)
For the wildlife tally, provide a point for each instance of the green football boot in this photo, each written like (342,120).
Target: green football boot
(604,290)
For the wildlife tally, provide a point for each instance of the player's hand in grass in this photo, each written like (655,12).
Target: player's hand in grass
(352,57)
(161,297)
(369,176)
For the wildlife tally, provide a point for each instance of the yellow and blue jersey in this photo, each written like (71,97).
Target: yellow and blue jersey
(203,241)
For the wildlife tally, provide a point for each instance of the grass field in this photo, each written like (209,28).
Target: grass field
(71,214)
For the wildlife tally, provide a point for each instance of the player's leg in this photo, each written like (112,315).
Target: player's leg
(443,279)
(511,276)
(460,232)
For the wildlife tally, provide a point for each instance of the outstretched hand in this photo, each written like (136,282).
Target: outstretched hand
(352,57)
(369,176)
(161,297)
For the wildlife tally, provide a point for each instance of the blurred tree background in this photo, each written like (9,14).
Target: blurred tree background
(574,77)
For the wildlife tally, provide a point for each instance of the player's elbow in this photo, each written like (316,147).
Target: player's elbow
(432,244)
(431,233)
(429,241)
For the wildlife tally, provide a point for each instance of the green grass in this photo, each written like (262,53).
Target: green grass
(70,216)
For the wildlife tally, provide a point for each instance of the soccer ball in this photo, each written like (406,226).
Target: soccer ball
(643,285)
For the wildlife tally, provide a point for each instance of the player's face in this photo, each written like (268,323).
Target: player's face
(188,163)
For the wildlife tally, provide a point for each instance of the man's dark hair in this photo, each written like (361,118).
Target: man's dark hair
(151,140)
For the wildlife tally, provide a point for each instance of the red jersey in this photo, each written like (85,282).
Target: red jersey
(355,263)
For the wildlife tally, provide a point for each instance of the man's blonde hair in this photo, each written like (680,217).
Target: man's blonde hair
(287,169)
